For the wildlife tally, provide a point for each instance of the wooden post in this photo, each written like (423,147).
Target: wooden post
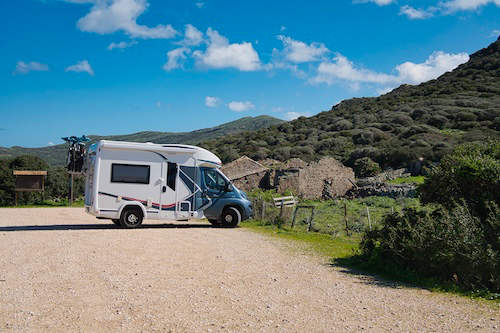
(345,219)
(281,208)
(294,216)
(309,227)
(263,209)
(16,197)
(392,210)
(369,220)
(71,190)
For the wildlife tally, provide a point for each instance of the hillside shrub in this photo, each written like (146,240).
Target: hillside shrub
(456,237)
(449,244)
(366,167)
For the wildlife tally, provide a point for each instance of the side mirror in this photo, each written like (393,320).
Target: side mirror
(228,188)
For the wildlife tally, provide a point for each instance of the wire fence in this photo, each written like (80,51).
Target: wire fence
(335,217)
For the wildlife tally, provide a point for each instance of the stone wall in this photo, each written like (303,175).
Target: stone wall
(253,181)
(327,178)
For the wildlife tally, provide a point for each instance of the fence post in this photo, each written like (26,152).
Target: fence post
(263,209)
(345,219)
(281,208)
(294,216)
(309,227)
(368,215)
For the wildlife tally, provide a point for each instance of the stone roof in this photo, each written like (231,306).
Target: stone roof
(243,166)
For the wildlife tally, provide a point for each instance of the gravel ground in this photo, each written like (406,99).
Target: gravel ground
(63,270)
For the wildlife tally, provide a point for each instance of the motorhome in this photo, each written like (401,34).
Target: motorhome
(127,182)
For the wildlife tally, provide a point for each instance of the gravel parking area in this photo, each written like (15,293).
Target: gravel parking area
(63,270)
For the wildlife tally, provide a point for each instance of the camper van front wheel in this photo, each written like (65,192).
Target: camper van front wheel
(131,217)
(231,217)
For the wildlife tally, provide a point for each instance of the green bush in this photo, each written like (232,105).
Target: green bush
(452,245)
(366,167)
(459,240)
(471,173)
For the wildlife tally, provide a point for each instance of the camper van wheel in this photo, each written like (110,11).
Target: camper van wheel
(131,217)
(231,217)
(116,221)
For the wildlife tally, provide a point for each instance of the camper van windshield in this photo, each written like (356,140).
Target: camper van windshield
(214,180)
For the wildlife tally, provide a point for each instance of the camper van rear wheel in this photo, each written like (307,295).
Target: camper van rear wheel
(131,217)
(231,217)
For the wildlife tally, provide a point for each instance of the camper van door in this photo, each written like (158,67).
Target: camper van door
(169,190)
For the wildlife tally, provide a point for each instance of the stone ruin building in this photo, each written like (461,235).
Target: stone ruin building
(324,179)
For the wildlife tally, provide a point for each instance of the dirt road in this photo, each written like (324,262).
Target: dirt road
(62,270)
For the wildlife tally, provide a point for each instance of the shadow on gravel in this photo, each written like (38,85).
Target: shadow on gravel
(99,227)
(368,276)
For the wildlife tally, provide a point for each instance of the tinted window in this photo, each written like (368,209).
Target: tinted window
(213,180)
(127,173)
(171,175)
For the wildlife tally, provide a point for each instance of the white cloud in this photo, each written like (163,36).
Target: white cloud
(175,58)
(192,36)
(24,68)
(211,101)
(341,69)
(50,143)
(456,5)
(200,4)
(438,63)
(221,54)
(378,2)
(383,91)
(282,28)
(121,45)
(294,115)
(495,33)
(298,52)
(416,14)
(109,16)
(81,66)
(240,106)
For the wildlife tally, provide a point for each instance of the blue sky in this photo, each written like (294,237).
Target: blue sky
(121,66)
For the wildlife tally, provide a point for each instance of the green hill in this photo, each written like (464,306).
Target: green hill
(395,129)
(56,155)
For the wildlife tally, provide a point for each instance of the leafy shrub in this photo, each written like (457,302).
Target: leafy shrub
(366,167)
(452,245)
(471,173)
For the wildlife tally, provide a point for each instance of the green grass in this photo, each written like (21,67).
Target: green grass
(326,245)
(408,180)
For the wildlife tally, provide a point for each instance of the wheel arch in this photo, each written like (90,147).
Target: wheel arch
(133,204)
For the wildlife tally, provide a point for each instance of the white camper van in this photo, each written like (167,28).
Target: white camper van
(127,182)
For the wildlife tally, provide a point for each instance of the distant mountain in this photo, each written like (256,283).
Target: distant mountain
(56,155)
(410,122)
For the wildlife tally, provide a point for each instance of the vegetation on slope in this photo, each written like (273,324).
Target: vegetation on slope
(393,130)
(56,155)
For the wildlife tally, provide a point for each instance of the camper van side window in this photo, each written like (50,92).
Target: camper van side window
(171,175)
(128,173)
